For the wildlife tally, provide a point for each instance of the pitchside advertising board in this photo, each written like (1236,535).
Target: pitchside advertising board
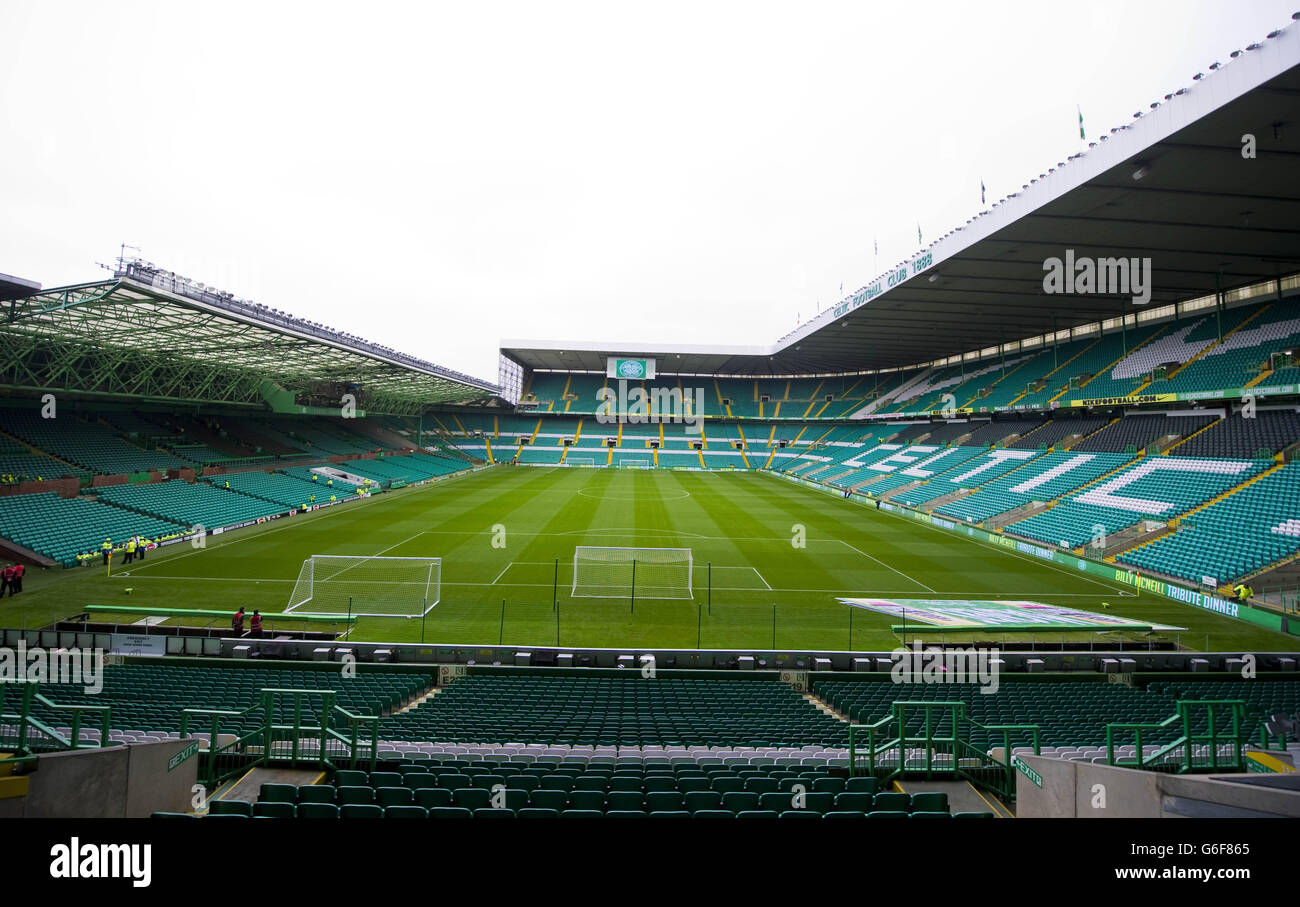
(629,369)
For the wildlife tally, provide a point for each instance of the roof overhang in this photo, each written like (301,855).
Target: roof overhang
(1172,186)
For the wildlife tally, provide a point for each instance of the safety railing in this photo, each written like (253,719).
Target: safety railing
(23,731)
(1203,735)
(937,740)
(294,726)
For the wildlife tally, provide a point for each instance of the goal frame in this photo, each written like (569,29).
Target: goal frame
(634,590)
(432,592)
(627,461)
(579,461)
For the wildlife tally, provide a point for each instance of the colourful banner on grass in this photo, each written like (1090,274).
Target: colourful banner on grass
(985,614)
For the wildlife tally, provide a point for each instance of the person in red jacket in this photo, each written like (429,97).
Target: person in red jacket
(6,580)
(16,584)
(255,624)
(237,622)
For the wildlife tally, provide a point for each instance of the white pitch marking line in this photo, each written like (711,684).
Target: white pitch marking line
(883,564)
(502,573)
(760,577)
(840,591)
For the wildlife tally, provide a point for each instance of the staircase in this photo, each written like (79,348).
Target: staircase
(1206,428)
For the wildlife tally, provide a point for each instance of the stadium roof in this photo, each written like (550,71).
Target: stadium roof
(1173,186)
(16,287)
(147,334)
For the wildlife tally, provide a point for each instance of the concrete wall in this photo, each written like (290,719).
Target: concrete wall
(1086,790)
(112,782)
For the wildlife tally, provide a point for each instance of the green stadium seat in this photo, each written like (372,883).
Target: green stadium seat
(450,812)
(361,811)
(355,795)
(277,793)
(892,802)
(587,800)
(274,809)
(431,797)
(739,801)
(494,813)
(930,801)
(696,801)
(312,810)
(405,812)
(394,796)
(471,798)
(230,807)
(548,799)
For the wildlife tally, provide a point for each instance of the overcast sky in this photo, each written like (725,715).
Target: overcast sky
(439,176)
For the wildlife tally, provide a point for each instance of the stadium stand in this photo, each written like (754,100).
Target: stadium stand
(1136,433)
(616,712)
(62,528)
(289,491)
(191,504)
(19,463)
(1268,432)
(92,446)
(1060,429)
(1152,489)
(1044,479)
(1237,534)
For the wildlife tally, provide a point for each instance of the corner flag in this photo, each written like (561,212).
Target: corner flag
(1081,135)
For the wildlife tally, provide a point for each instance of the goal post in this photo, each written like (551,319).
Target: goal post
(611,572)
(579,461)
(635,462)
(367,586)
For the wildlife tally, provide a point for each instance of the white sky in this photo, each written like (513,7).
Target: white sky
(438,176)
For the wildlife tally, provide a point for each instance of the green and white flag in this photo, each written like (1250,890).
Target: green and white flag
(1081,135)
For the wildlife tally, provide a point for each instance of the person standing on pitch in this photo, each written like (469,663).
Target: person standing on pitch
(106,549)
(16,584)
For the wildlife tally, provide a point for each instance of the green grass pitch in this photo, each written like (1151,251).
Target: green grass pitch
(743,523)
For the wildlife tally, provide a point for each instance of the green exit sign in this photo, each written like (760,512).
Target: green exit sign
(1029,773)
(182,755)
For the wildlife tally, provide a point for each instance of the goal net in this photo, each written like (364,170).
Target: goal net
(636,462)
(613,572)
(367,586)
(580,461)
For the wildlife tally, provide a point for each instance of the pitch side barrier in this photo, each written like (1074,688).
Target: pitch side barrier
(1107,660)
(1188,596)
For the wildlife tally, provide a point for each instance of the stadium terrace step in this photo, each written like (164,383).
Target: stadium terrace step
(249,787)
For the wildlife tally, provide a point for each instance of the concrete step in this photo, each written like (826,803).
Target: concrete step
(250,785)
(963,797)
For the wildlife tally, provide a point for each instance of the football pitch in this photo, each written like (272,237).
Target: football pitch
(771,559)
